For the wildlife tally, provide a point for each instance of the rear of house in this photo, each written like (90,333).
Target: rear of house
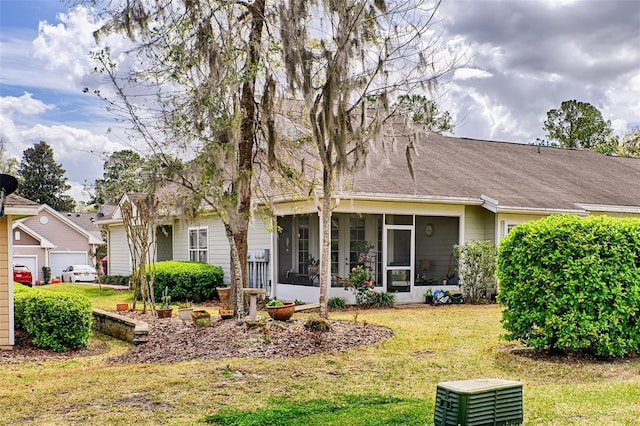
(404,227)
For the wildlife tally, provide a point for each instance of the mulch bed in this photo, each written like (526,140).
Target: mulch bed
(173,340)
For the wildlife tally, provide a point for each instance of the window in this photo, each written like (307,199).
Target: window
(303,244)
(198,247)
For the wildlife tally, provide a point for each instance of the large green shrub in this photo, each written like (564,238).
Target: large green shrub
(476,268)
(572,284)
(54,321)
(20,293)
(187,280)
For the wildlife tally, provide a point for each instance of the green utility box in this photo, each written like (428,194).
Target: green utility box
(479,402)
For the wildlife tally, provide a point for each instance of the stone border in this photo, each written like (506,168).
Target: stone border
(120,327)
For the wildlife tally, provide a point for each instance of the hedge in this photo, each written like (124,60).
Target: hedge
(187,280)
(572,284)
(55,321)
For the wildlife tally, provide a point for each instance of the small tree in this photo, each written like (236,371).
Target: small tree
(42,179)
(476,268)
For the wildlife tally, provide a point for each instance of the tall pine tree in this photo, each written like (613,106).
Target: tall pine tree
(42,179)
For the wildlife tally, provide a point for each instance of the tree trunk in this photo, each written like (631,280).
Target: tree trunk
(238,227)
(325,256)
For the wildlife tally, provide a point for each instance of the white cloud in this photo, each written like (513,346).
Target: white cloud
(25,104)
(470,73)
(65,47)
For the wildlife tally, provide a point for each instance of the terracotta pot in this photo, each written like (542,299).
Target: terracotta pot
(223,295)
(164,313)
(226,313)
(201,318)
(282,313)
(122,306)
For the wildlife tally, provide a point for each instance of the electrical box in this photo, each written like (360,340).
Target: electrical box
(479,402)
(258,255)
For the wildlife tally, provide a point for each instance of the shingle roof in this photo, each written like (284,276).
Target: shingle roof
(515,175)
(85,221)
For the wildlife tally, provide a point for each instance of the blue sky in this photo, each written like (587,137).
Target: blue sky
(523,58)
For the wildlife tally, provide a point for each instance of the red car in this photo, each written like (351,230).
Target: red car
(22,274)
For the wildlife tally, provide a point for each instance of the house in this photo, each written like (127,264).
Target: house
(16,207)
(404,227)
(56,240)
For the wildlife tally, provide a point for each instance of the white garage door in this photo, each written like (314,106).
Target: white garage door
(31,262)
(58,261)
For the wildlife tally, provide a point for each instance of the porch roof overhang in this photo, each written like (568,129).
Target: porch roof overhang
(494,206)
(610,209)
(409,198)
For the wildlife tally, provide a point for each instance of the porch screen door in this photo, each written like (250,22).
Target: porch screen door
(399,257)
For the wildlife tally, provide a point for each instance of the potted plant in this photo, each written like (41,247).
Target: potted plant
(279,310)
(428,296)
(184,311)
(201,318)
(165,309)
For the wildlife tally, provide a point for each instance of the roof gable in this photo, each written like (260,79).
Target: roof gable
(34,222)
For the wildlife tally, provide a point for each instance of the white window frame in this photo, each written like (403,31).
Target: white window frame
(196,252)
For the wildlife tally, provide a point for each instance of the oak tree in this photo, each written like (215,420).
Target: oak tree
(579,125)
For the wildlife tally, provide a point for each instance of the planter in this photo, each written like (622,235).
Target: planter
(122,306)
(226,313)
(164,313)
(185,313)
(201,318)
(281,313)
(223,295)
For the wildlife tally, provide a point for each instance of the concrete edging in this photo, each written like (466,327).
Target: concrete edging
(120,326)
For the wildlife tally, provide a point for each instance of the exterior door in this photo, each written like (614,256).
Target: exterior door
(398,260)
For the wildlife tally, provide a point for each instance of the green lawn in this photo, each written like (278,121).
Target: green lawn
(392,383)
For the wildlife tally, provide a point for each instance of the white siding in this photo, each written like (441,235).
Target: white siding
(259,237)
(119,257)
(479,224)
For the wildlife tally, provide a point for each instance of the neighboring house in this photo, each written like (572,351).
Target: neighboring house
(16,207)
(404,228)
(120,263)
(56,240)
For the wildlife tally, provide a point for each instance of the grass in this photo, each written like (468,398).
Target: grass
(391,383)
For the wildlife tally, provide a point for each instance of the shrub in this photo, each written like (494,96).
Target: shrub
(476,268)
(20,294)
(46,274)
(571,284)
(274,303)
(187,280)
(337,303)
(115,279)
(360,282)
(381,299)
(55,321)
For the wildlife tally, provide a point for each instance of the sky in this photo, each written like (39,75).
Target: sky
(521,59)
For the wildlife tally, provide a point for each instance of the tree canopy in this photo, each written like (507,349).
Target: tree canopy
(580,125)
(8,165)
(42,179)
(630,143)
(212,78)
(122,172)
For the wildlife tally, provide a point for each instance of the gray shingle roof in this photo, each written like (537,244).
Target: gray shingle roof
(515,175)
